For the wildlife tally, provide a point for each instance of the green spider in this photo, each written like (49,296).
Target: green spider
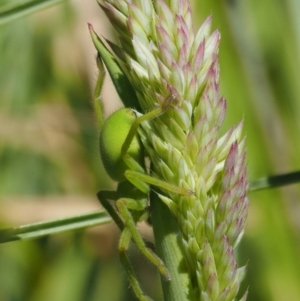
(124,160)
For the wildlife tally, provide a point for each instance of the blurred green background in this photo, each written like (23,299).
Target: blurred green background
(49,160)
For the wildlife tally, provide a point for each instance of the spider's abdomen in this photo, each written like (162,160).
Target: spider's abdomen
(112,137)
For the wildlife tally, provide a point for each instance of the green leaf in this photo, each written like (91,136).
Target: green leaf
(12,10)
(119,78)
(36,230)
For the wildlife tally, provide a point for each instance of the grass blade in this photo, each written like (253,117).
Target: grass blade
(35,230)
(119,78)
(12,11)
(275,181)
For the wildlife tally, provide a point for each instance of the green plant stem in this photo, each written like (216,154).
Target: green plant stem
(163,224)
(275,181)
(167,248)
(40,229)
